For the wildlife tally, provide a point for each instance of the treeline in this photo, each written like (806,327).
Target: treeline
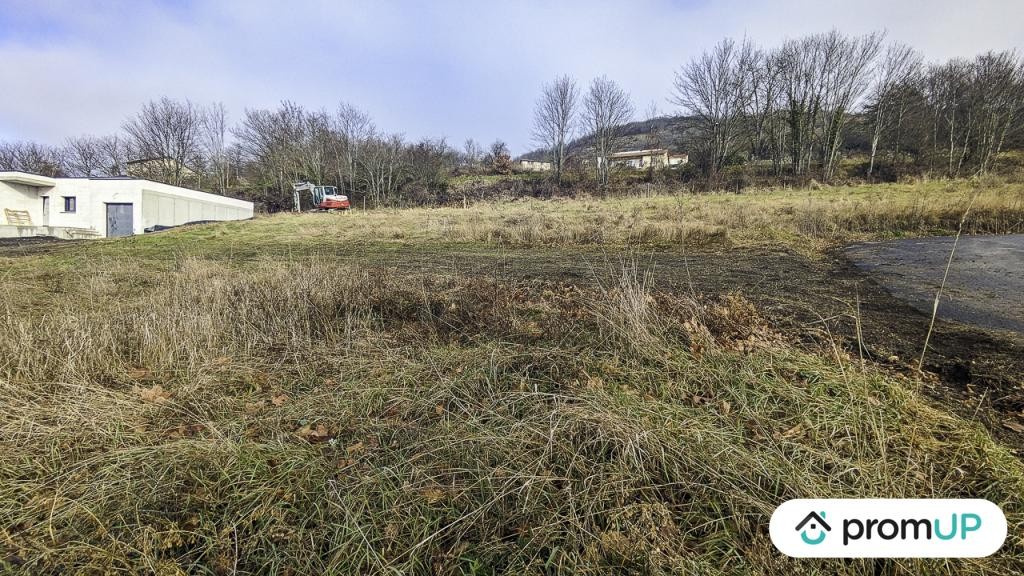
(346,149)
(798,109)
(185,144)
(784,114)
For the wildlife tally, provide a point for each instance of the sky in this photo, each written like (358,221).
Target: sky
(425,69)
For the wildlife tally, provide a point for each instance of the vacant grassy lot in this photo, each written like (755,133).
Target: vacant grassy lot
(804,219)
(280,396)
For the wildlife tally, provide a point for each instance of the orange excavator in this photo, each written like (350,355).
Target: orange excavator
(325,198)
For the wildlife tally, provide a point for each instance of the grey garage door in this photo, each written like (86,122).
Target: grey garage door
(119,220)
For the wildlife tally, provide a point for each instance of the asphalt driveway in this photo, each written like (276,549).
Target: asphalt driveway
(985,286)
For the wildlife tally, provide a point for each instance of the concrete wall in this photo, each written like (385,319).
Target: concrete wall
(164,205)
(20,197)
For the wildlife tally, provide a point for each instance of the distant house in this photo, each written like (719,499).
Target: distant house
(159,168)
(534,165)
(677,159)
(653,157)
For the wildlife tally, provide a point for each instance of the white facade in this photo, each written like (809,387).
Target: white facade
(101,207)
(535,165)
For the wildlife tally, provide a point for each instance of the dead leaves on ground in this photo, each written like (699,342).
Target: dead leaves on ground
(154,394)
(185,431)
(794,432)
(314,434)
(1014,425)
(139,374)
(354,451)
(433,494)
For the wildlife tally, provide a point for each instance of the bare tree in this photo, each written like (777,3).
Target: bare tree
(998,98)
(214,131)
(606,107)
(430,161)
(498,148)
(898,68)
(763,124)
(267,139)
(499,157)
(471,153)
(948,90)
(312,146)
(845,70)
(554,117)
(287,145)
(713,88)
(353,127)
(652,132)
(822,79)
(800,87)
(767,106)
(168,132)
(30,157)
(382,167)
(83,156)
(116,154)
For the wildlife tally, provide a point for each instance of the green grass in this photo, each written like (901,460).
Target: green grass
(233,399)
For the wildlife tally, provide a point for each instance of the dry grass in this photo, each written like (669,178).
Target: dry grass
(807,220)
(301,418)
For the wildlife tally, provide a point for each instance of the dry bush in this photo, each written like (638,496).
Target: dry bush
(736,324)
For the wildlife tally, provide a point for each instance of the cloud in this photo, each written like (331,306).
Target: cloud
(454,69)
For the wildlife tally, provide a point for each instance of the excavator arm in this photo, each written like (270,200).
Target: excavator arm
(298,188)
(324,197)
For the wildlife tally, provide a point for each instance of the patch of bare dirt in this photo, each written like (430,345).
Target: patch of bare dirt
(12,247)
(978,372)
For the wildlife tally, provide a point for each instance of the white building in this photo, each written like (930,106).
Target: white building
(654,157)
(32,205)
(534,165)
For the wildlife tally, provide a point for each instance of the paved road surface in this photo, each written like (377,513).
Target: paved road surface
(985,285)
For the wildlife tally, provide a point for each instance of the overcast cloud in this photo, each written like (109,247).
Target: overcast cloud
(452,69)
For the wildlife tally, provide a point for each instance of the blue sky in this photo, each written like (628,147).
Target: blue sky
(452,69)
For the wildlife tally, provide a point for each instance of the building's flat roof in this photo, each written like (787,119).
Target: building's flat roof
(28,179)
(45,181)
(152,159)
(629,153)
(38,179)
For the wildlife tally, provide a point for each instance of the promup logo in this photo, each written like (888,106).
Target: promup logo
(877,528)
(817,523)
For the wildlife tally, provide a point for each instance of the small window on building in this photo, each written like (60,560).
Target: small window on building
(70,204)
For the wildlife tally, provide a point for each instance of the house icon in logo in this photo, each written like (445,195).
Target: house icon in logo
(817,523)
